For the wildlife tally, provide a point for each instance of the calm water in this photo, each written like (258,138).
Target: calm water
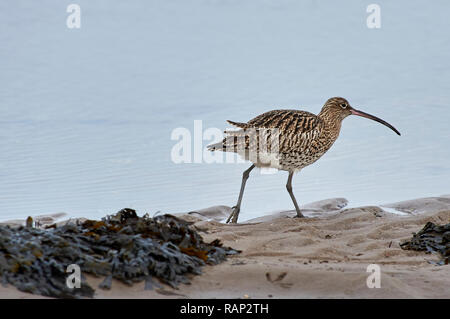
(87,114)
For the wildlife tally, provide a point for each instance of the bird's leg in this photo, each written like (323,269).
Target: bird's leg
(235,212)
(289,189)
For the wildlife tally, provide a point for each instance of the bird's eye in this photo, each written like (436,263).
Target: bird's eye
(344,105)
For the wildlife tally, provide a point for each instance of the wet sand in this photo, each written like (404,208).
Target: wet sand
(323,256)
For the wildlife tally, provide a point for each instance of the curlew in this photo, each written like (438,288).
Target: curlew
(287,140)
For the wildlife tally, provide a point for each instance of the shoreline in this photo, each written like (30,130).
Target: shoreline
(323,256)
(401,208)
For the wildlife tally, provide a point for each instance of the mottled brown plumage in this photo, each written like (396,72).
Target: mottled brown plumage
(287,140)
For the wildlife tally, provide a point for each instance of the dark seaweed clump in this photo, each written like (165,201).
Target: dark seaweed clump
(121,246)
(432,238)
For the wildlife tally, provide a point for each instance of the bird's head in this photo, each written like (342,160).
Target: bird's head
(340,108)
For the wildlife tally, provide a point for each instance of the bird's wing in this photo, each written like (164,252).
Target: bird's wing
(287,120)
(293,126)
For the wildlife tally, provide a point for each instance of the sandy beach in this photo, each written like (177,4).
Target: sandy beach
(323,256)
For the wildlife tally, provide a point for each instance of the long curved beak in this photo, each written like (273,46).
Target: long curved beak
(369,116)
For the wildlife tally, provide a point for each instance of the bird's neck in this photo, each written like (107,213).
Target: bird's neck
(332,121)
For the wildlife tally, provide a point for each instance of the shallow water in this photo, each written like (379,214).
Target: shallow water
(87,114)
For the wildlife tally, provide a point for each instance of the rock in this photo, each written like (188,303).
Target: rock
(326,205)
(314,209)
(217,213)
(422,205)
(38,221)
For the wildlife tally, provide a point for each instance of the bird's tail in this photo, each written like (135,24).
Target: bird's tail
(237,124)
(215,147)
(229,143)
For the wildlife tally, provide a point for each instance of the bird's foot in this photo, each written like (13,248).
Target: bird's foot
(299,215)
(234,215)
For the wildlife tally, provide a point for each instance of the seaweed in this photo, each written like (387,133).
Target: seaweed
(122,246)
(432,239)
